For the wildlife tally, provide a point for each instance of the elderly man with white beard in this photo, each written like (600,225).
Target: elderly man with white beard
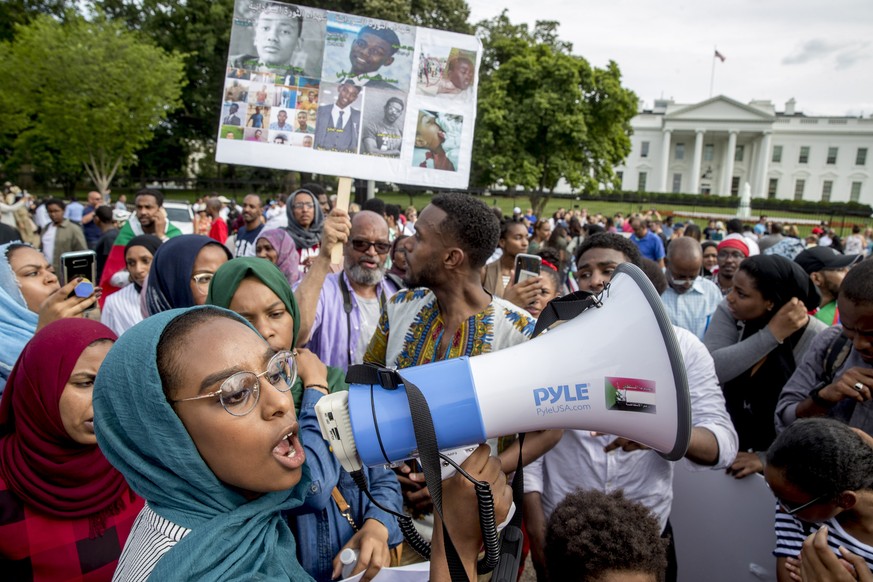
(339,311)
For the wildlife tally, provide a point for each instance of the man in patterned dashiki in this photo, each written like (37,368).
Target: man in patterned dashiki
(445,313)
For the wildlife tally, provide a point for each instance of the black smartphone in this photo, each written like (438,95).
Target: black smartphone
(79,264)
(527,266)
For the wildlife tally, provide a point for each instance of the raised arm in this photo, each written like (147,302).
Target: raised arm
(337,227)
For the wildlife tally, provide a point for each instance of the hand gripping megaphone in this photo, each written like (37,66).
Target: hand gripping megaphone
(615,368)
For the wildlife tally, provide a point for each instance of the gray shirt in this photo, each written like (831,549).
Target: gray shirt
(810,373)
(732,356)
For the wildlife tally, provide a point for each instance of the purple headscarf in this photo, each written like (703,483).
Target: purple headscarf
(288,257)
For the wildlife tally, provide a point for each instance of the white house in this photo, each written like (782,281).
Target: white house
(719,144)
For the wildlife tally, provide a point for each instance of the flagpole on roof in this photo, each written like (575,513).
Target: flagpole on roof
(715,55)
(712,75)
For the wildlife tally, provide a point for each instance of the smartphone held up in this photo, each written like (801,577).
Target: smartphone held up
(526,267)
(79,264)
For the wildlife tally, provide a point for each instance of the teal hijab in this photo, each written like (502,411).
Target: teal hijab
(231,538)
(227,280)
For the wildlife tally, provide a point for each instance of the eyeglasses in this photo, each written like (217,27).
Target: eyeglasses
(303,205)
(362,246)
(731,255)
(239,394)
(686,282)
(787,508)
(793,510)
(202,280)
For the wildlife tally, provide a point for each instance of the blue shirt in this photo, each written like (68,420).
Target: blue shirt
(693,309)
(320,529)
(650,246)
(73,212)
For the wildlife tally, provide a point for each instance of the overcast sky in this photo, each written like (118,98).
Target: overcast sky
(819,52)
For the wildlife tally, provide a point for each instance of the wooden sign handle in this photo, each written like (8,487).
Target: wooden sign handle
(342,201)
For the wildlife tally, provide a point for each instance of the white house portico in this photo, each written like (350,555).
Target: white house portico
(716,146)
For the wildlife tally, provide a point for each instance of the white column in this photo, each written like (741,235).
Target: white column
(695,166)
(764,153)
(728,166)
(751,160)
(665,160)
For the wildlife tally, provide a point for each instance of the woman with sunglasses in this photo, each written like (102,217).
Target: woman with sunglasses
(756,337)
(821,473)
(181,271)
(65,512)
(256,290)
(212,445)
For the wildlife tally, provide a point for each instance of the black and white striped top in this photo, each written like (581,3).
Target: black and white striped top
(791,532)
(151,537)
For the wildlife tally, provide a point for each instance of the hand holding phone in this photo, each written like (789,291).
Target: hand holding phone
(527,266)
(79,265)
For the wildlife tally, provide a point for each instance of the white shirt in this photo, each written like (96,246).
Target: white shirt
(276,218)
(48,242)
(41,216)
(347,114)
(121,310)
(578,460)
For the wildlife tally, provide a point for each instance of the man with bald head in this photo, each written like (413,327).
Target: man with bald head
(339,311)
(690,299)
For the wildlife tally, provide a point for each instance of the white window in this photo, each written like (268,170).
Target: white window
(677,183)
(644,151)
(680,151)
(804,155)
(799,185)
(855,195)
(771,188)
(777,154)
(832,155)
(641,182)
(826,189)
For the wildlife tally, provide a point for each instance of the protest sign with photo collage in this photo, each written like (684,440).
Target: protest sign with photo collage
(330,93)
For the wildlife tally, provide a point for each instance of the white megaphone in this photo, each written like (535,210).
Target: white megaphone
(615,368)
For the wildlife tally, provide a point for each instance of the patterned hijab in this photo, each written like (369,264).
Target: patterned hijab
(40,462)
(231,538)
(288,257)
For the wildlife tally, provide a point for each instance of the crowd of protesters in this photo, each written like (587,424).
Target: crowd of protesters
(139,436)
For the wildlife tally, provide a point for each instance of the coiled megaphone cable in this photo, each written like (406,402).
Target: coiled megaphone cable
(429,455)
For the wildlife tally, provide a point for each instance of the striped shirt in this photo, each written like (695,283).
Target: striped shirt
(122,310)
(152,536)
(790,533)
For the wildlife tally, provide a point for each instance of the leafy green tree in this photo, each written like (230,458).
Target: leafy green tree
(546,114)
(20,12)
(84,94)
(199,30)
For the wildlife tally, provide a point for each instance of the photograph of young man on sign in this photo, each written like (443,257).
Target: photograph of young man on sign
(376,55)
(277,38)
(338,123)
